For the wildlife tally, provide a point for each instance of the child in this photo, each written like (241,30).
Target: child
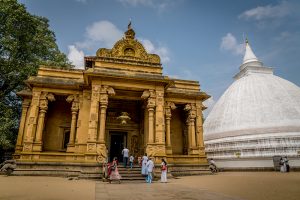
(131,159)
(140,161)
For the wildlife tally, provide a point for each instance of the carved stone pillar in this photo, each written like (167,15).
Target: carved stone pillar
(191,109)
(74,99)
(93,121)
(146,125)
(105,92)
(150,96)
(169,106)
(199,125)
(103,108)
(25,106)
(45,97)
(150,122)
(32,121)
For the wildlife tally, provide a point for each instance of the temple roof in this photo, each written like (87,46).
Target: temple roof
(127,50)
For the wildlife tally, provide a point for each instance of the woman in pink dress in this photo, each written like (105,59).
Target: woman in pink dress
(113,172)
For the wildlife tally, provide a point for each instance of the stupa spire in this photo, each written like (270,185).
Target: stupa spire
(249,55)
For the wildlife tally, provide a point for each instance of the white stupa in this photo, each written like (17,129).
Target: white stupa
(256,118)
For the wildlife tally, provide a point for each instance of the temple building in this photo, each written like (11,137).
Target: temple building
(121,99)
(256,118)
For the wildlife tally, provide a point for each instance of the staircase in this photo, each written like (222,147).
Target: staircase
(128,174)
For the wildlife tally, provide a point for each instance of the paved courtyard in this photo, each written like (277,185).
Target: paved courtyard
(224,186)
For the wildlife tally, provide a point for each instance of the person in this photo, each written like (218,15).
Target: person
(282,165)
(164,170)
(131,159)
(144,165)
(140,161)
(113,172)
(150,166)
(125,153)
(213,166)
(286,161)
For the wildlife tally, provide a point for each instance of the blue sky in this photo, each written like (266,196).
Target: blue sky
(199,40)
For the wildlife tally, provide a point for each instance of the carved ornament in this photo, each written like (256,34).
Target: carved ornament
(128,49)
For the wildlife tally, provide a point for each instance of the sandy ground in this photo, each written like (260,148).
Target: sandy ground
(249,185)
(45,188)
(235,185)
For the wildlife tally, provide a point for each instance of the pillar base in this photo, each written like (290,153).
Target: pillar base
(27,146)
(169,150)
(194,151)
(156,149)
(18,148)
(91,147)
(71,148)
(37,146)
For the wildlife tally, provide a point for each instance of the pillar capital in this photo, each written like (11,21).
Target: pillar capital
(105,92)
(74,99)
(44,98)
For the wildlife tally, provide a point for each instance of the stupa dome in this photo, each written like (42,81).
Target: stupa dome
(257,116)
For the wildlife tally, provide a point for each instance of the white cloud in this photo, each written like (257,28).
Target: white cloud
(76,57)
(229,43)
(160,50)
(101,33)
(267,12)
(105,34)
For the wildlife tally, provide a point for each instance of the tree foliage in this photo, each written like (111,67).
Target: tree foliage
(26,42)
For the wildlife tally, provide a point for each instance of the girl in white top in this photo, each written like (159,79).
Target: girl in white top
(164,169)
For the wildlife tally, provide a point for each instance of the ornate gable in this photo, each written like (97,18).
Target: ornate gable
(129,50)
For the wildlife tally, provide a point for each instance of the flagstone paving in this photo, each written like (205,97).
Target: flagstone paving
(156,190)
(223,186)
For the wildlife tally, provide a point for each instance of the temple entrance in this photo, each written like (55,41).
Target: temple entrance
(117,142)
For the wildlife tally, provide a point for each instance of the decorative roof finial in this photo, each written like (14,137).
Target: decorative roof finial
(249,55)
(129,34)
(129,25)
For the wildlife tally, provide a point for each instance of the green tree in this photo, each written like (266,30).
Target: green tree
(26,42)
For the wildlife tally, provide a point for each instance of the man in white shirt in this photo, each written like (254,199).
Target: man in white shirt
(125,153)
(150,166)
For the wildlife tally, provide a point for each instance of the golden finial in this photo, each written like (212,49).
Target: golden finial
(129,25)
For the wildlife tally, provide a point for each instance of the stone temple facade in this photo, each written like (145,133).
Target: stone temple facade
(256,118)
(81,117)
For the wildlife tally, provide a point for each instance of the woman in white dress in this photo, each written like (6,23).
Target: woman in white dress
(144,165)
(164,170)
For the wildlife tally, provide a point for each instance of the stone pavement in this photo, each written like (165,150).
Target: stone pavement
(156,190)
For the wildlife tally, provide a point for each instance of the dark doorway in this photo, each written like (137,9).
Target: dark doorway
(117,140)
